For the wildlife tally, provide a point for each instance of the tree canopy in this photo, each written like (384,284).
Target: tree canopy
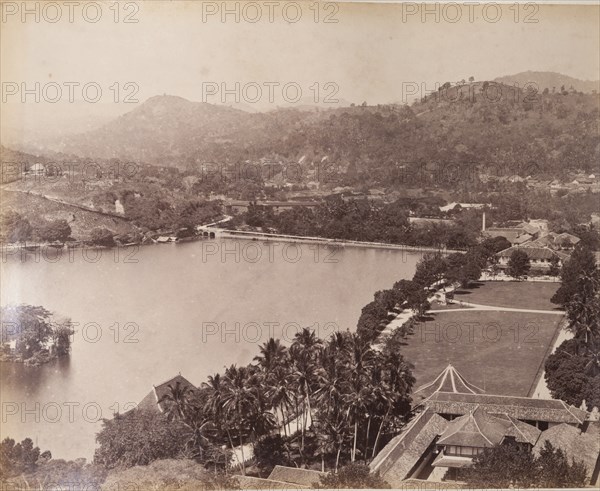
(511,465)
(518,264)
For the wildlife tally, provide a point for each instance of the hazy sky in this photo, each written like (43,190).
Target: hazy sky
(367,54)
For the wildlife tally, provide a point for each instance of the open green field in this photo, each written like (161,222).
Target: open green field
(516,294)
(500,351)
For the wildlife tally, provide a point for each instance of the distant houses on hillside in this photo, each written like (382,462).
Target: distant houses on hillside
(518,233)
(466,206)
(241,206)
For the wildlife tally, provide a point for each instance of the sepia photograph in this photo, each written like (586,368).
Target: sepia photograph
(299,244)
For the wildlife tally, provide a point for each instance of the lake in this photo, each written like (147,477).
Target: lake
(189,308)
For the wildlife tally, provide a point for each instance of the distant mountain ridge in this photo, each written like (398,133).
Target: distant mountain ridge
(159,130)
(463,123)
(550,80)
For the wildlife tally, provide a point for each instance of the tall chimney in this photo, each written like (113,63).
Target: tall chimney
(483,222)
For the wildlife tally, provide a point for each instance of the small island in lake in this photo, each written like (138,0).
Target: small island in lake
(33,335)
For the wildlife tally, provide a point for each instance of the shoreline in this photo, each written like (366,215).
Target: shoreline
(239,234)
(231,235)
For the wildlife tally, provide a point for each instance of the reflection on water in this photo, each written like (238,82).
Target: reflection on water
(191,308)
(32,379)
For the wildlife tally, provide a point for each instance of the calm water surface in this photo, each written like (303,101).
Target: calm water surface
(191,308)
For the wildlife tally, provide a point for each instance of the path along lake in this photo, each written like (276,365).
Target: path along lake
(192,308)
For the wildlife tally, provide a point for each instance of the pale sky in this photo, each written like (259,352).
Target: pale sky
(368,53)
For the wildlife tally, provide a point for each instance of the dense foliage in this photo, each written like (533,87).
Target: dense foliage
(361,220)
(19,458)
(493,125)
(169,475)
(17,228)
(573,370)
(36,334)
(331,401)
(138,438)
(354,476)
(432,269)
(510,465)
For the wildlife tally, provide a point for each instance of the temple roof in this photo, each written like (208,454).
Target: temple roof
(523,408)
(480,429)
(475,429)
(450,380)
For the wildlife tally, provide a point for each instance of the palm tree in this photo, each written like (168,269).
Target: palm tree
(396,385)
(332,378)
(361,364)
(330,395)
(303,376)
(382,402)
(214,395)
(306,342)
(332,432)
(278,390)
(179,403)
(275,377)
(272,354)
(214,391)
(261,420)
(239,402)
(303,355)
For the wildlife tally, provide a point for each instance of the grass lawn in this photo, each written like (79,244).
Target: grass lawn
(517,294)
(498,351)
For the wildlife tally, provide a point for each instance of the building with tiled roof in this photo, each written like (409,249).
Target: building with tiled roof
(456,421)
(529,228)
(296,476)
(539,256)
(540,412)
(408,454)
(468,436)
(249,482)
(556,241)
(466,206)
(515,235)
(450,380)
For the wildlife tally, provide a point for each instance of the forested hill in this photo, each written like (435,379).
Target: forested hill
(551,81)
(485,123)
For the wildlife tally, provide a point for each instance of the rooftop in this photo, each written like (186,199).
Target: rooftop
(450,380)
(535,253)
(248,482)
(443,460)
(523,408)
(399,456)
(480,429)
(294,475)
(513,235)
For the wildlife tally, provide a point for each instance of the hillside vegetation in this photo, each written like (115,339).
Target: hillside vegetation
(494,126)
